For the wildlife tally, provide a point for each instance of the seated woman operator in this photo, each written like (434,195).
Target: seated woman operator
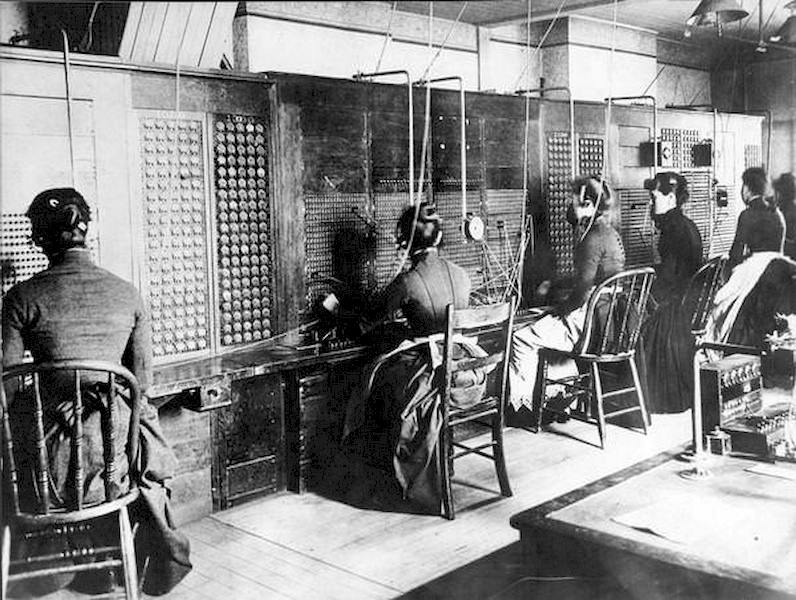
(762,283)
(77,310)
(395,415)
(599,254)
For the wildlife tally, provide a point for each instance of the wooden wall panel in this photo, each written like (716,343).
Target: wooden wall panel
(288,213)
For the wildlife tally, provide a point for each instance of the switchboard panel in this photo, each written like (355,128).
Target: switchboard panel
(176,271)
(559,177)
(19,260)
(752,156)
(455,246)
(590,156)
(699,207)
(339,242)
(390,198)
(637,229)
(243,229)
(682,142)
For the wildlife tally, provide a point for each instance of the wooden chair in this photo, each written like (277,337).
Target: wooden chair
(46,517)
(489,411)
(614,315)
(701,292)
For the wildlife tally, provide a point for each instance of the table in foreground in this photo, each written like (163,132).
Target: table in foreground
(731,535)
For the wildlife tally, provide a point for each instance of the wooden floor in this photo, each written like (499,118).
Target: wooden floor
(307,546)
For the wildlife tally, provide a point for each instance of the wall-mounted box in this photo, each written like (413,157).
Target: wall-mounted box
(702,154)
(665,154)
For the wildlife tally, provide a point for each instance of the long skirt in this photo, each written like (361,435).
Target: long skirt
(669,352)
(159,546)
(398,414)
(549,331)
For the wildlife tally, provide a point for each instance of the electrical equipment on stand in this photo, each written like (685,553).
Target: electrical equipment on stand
(730,389)
(732,401)
(763,434)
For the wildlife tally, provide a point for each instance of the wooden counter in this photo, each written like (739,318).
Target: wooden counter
(661,535)
(254,421)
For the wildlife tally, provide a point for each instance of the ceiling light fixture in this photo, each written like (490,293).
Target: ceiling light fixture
(787,33)
(716,12)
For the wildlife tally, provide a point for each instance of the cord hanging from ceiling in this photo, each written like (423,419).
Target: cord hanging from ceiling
(387,37)
(541,41)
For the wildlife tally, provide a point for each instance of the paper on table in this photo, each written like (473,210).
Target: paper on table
(681,519)
(773,471)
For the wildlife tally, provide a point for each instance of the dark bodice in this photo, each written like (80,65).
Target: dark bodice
(680,249)
(424,291)
(760,229)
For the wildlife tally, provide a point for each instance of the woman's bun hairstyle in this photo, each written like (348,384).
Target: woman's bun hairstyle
(59,218)
(427,227)
(667,182)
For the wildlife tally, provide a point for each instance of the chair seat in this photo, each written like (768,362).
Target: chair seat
(65,517)
(614,314)
(484,407)
(586,356)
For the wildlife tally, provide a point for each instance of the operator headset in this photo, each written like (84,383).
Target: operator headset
(582,199)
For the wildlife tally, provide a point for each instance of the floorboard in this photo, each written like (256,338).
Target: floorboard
(299,547)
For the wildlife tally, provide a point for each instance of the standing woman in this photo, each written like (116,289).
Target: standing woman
(667,341)
(599,254)
(761,226)
(679,244)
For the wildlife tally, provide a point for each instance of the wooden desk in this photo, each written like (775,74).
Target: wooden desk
(250,422)
(735,531)
(253,421)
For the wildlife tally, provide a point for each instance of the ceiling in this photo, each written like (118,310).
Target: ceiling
(666,17)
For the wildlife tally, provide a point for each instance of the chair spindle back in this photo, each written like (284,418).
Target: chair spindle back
(702,290)
(615,313)
(109,384)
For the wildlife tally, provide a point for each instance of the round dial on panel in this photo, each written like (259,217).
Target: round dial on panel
(474,228)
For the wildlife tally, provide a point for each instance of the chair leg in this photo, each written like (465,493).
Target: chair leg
(5,561)
(499,456)
(540,391)
(598,400)
(128,555)
(645,417)
(443,450)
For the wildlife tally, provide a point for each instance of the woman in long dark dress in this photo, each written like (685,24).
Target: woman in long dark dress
(396,417)
(76,310)
(762,282)
(667,340)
